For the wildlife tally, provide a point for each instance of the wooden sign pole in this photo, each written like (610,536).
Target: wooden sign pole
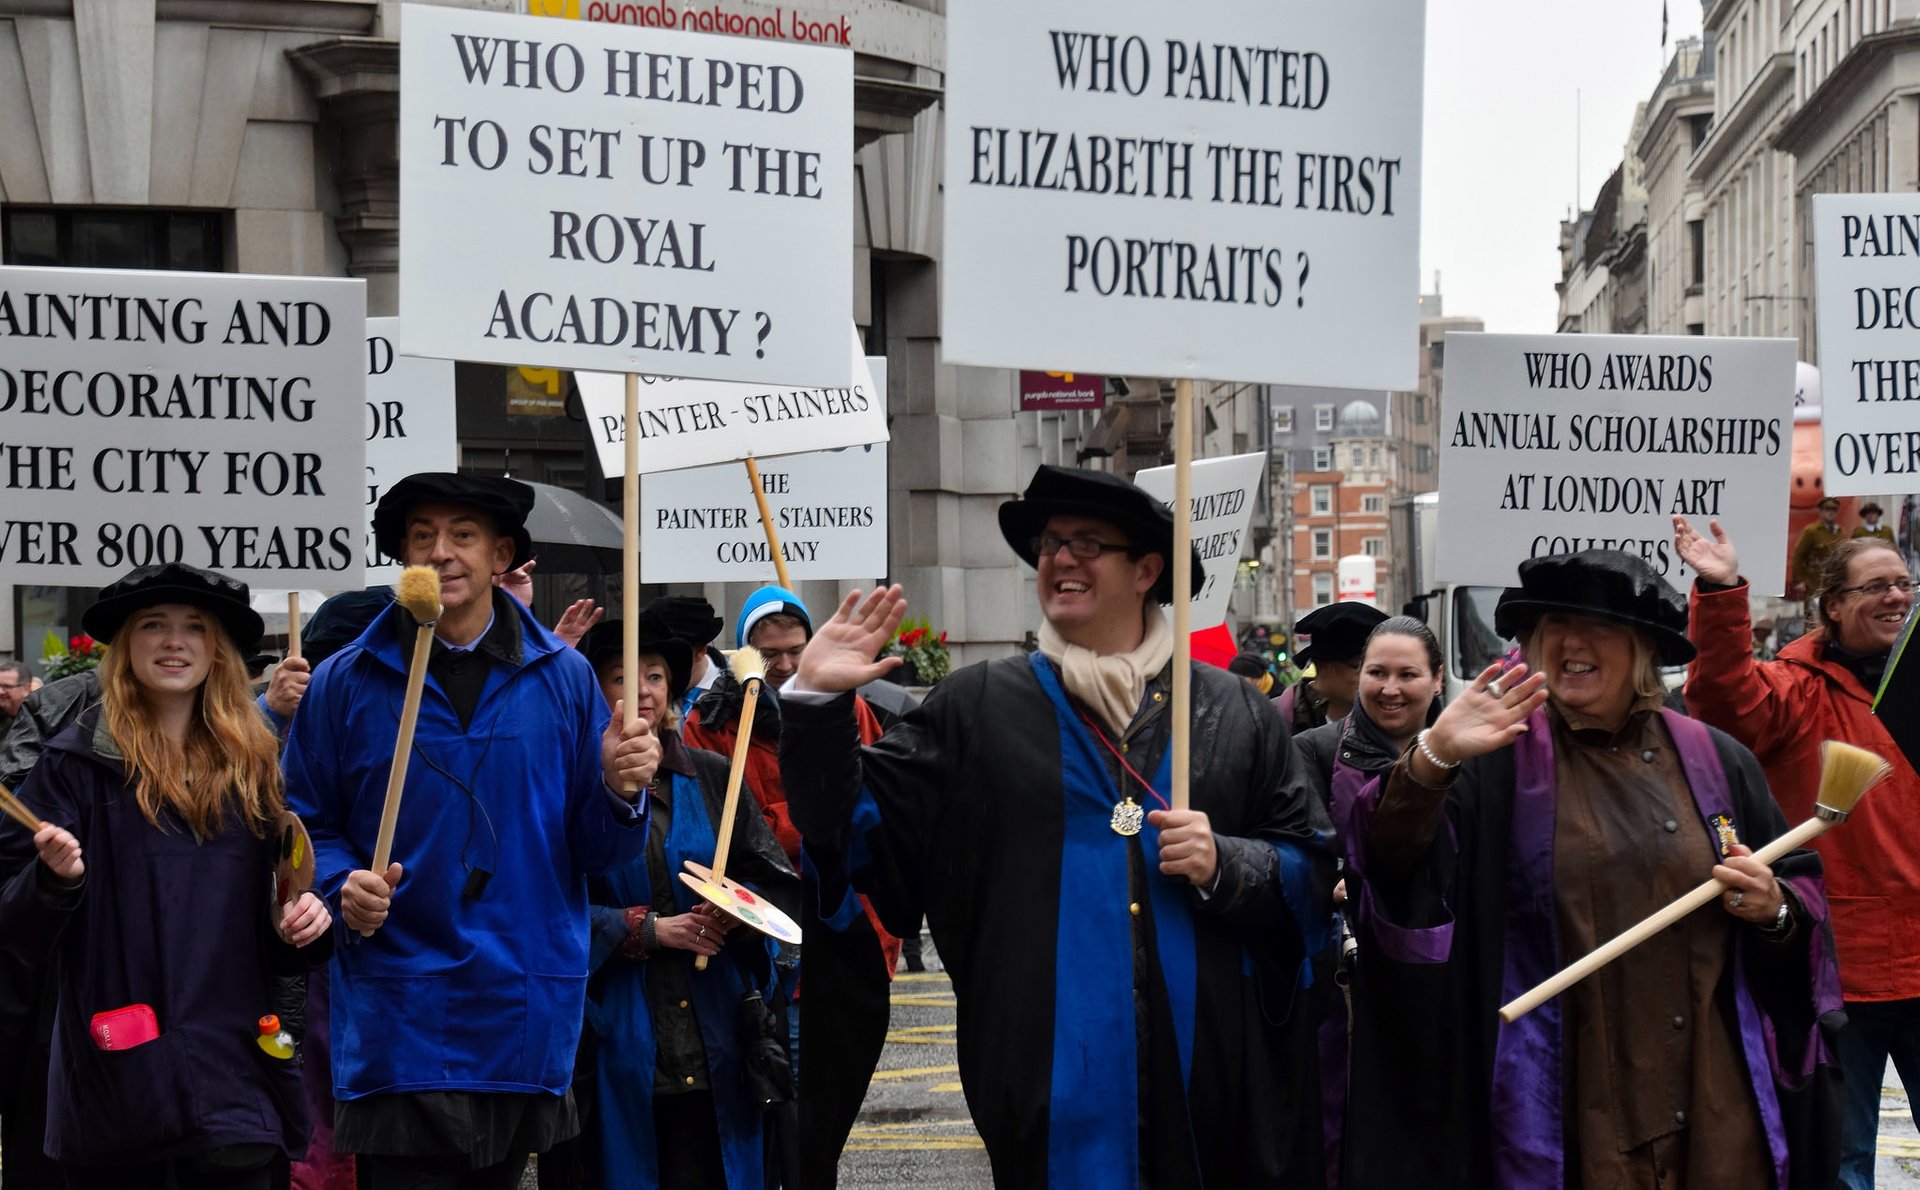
(766,518)
(293,623)
(751,669)
(630,555)
(1182,564)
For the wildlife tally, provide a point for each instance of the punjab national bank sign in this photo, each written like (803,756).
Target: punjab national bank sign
(774,22)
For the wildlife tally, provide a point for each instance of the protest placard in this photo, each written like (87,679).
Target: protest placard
(1220,189)
(829,509)
(589,196)
(1864,259)
(410,425)
(212,419)
(1224,493)
(690,423)
(1552,444)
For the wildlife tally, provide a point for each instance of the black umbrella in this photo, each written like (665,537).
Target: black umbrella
(572,534)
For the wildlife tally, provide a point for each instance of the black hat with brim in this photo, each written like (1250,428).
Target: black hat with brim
(1604,584)
(223,598)
(1067,491)
(1338,630)
(506,502)
(340,620)
(688,617)
(1872,509)
(606,641)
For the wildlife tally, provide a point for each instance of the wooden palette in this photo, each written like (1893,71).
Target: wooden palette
(740,902)
(292,858)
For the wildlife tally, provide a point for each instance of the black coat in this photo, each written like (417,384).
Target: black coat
(162,919)
(969,818)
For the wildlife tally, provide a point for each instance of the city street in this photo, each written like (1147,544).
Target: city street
(914,1130)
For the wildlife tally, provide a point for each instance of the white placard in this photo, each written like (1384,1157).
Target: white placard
(1220,189)
(410,426)
(1866,265)
(1223,495)
(829,510)
(582,195)
(691,423)
(204,418)
(1553,444)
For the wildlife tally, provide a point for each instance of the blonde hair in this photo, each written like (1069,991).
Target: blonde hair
(669,718)
(230,759)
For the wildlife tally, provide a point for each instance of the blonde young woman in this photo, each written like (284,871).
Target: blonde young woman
(152,880)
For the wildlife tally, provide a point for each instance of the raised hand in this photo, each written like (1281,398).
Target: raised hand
(1715,561)
(840,655)
(518,582)
(288,686)
(1489,714)
(580,615)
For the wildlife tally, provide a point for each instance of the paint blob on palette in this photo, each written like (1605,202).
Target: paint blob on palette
(292,858)
(741,902)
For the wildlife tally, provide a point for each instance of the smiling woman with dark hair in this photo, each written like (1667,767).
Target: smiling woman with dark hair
(1822,686)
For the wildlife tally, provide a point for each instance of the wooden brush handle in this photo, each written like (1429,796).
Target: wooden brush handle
(402,751)
(17,810)
(741,743)
(1600,956)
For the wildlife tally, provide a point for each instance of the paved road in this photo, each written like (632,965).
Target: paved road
(914,1129)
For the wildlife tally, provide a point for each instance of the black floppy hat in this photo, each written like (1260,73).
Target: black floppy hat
(606,641)
(1606,584)
(688,617)
(223,598)
(1067,491)
(504,501)
(340,620)
(1338,630)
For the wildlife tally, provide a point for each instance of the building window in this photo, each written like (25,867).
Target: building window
(1323,458)
(1373,457)
(1697,250)
(1322,589)
(1323,418)
(1283,420)
(1322,499)
(1419,410)
(90,238)
(1696,328)
(1423,458)
(1374,547)
(1322,544)
(1373,503)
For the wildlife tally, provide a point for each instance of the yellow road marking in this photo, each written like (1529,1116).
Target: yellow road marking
(946,1088)
(882,1146)
(916,1071)
(921,1029)
(934,1001)
(909,1126)
(892,1040)
(927,978)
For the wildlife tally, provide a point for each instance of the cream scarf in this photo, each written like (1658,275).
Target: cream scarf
(1111,686)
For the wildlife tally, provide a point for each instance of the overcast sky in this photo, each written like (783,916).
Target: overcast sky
(1499,155)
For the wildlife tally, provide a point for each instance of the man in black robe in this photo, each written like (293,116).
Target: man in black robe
(1127,976)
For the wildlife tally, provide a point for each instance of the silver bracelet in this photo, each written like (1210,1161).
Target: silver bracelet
(1433,758)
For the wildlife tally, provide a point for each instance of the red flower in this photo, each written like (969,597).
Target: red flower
(84,642)
(943,640)
(73,642)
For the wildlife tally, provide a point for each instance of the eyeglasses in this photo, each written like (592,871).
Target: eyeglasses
(1879,587)
(1048,544)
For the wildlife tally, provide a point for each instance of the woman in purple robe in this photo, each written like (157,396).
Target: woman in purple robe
(1541,814)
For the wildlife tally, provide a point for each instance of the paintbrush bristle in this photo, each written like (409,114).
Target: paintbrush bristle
(419,593)
(1847,772)
(747,663)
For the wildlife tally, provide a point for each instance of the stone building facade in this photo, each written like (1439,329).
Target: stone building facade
(260,136)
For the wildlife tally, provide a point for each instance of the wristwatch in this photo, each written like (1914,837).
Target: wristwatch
(1782,921)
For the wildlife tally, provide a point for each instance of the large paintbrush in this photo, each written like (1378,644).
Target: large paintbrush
(419,595)
(1846,773)
(17,810)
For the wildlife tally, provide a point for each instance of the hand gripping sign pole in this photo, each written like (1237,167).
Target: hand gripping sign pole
(1846,773)
(1182,565)
(419,595)
(712,884)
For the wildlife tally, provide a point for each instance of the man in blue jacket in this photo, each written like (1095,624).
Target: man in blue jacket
(455,1021)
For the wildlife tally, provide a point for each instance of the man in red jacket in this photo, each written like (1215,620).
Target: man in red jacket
(1821,687)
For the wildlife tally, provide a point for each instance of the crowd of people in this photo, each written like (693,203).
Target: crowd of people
(1288,979)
